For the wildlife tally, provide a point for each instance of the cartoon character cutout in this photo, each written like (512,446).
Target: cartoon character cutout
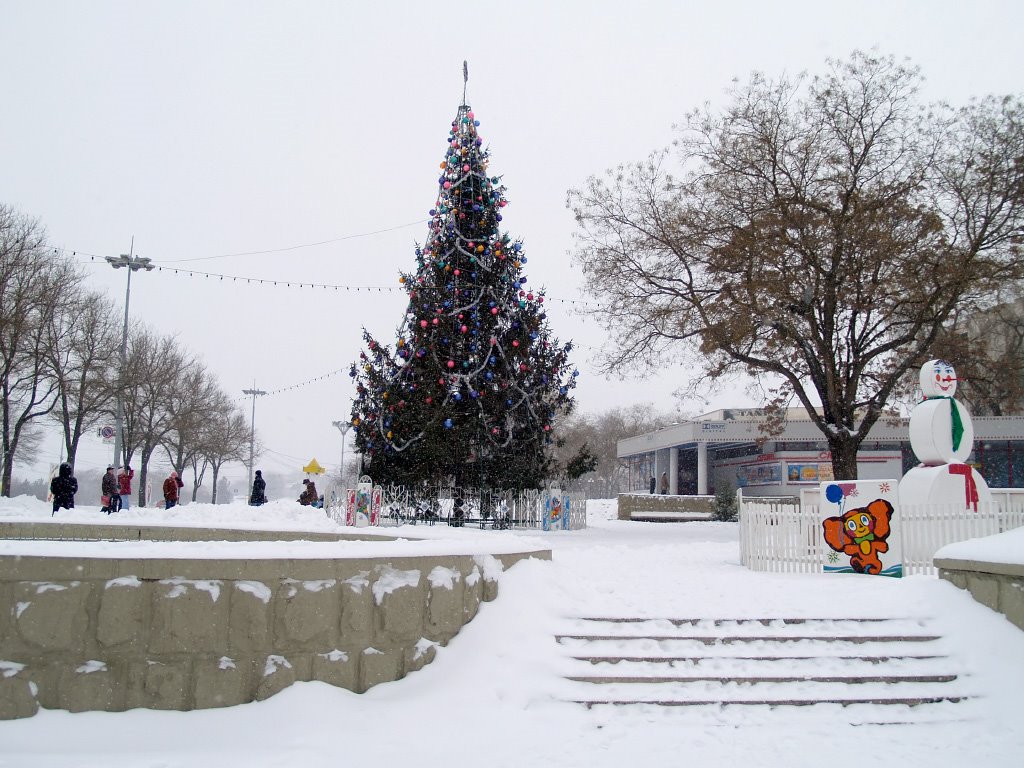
(861,533)
(556,509)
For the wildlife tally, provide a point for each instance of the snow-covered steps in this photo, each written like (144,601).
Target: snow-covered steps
(766,662)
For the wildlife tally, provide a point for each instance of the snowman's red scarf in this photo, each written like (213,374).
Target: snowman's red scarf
(970,487)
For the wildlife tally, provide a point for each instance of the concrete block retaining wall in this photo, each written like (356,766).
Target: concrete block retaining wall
(113,634)
(633,506)
(65,531)
(999,586)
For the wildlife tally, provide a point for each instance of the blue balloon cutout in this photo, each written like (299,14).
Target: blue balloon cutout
(834,494)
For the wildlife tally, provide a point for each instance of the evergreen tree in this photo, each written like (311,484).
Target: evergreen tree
(472,390)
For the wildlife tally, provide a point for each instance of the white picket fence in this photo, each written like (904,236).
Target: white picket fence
(785,535)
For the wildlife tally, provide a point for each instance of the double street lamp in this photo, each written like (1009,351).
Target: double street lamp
(134,264)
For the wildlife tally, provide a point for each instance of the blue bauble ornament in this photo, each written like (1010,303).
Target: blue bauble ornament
(447,423)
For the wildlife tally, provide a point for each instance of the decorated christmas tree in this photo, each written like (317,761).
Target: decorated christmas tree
(472,389)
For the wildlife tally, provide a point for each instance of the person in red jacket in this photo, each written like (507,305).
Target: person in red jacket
(171,486)
(124,485)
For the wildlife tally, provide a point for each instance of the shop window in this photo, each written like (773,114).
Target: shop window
(993,455)
(1016,472)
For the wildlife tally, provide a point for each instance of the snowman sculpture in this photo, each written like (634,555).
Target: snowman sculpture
(942,436)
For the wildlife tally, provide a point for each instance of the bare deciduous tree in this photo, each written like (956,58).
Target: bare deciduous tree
(191,403)
(602,432)
(819,235)
(987,348)
(147,382)
(35,283)
(225,437)
(82,354)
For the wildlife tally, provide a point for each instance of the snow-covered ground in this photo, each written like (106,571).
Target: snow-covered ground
(496,695)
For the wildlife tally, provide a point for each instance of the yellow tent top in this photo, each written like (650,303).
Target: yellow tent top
(313,468)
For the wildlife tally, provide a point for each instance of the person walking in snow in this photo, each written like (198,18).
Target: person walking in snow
(259,490)
(64,487)
(664,483)
(108,490)
(171,486)
(124,485)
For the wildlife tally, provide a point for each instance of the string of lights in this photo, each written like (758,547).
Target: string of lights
(195,273)
(291,387)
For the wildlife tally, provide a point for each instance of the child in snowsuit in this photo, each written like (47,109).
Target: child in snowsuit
(63,487)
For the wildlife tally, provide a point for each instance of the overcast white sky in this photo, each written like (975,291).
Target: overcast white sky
(211,128)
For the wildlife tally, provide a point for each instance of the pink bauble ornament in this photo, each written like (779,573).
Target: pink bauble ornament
(447,185)
(466,168)
(463,329)
(451,363)
(494,310)
(423,323)
(434,321)
(515,342)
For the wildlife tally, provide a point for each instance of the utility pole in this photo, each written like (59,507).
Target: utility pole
(343,427)
(134,264)
(252,424)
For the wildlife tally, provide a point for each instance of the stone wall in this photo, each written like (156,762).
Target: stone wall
(633,506)
(114,634)
(999,586)
(65,531)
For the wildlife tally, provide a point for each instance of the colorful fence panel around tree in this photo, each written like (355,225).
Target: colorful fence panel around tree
(402,505)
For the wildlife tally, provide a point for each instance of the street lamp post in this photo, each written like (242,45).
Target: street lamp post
(252,424)
(134,264)
(343,427)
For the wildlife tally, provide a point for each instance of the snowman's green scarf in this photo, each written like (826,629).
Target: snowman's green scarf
(958,422)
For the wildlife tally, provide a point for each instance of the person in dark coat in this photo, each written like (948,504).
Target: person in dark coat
(653,481)
(63,487)
(171,486)
(108,489)
(309,494)
(259,490)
